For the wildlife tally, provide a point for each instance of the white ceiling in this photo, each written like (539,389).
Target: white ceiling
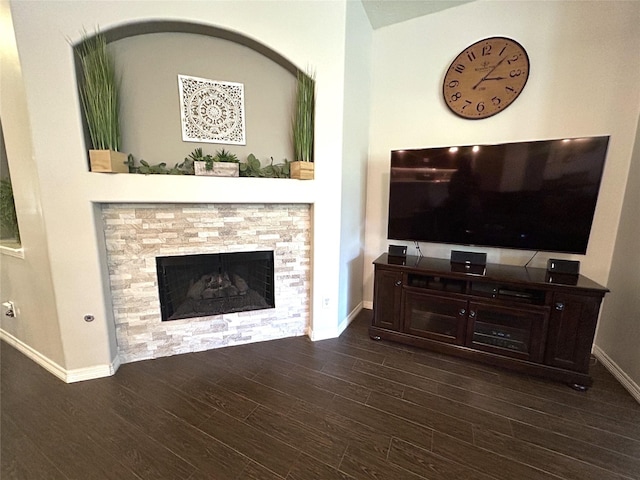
(386,12)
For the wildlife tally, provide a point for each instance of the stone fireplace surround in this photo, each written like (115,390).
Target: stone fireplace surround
(136,233)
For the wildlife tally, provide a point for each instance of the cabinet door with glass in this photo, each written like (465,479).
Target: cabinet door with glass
(514,332)
(435,317)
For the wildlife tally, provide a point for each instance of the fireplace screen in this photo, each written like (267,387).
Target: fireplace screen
(213,284)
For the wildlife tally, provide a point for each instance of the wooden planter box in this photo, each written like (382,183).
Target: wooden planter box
(108,161)
(220,169)
(301,170)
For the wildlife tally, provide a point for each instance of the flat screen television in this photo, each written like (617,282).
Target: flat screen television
(535,195)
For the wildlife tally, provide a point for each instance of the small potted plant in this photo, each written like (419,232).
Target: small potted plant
(303,127)
(222,164)
(202,164)
(225,164)
(100,100)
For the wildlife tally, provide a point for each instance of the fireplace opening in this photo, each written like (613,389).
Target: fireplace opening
(213,284)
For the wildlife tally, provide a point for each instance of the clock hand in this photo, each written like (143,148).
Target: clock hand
(494,78)
(489,73)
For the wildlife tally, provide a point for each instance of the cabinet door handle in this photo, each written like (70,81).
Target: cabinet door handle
(461,312)
(472,314)
(398,283)
(560,306)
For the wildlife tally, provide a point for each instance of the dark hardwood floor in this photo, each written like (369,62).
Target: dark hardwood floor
(348,408)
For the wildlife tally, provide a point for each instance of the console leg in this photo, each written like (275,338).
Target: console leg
(578,387)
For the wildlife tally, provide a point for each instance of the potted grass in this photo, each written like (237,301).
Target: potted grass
(302,127)
(222,164)
(99,93)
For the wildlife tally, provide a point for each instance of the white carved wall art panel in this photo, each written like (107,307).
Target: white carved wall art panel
(212,111)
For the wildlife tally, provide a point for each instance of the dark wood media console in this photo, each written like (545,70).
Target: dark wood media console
(524,319)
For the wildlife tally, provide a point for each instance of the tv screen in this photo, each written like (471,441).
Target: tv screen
(537,195)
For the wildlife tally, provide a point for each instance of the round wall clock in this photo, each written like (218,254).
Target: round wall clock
(486,77)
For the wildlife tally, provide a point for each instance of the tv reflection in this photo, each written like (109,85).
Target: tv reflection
(460,215)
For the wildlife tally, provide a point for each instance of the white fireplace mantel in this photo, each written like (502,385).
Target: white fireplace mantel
(137,188)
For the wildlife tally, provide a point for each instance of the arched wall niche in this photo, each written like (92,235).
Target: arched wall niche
(149,55)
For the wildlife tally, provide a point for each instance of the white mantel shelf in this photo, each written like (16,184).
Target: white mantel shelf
(137,188)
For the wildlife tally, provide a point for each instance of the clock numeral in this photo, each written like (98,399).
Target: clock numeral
(471,56)
(513,59)
(502,51)
(456,96)
(459,68)
(453,84)
(509,89)
(480,107)
(496,100)
(486,50)
(515,73)
(466,104)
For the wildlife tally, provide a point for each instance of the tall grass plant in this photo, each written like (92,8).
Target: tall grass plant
(303,119)
(99,93)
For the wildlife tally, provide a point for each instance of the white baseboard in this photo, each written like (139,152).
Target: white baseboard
(368,305)
(67,376)
(45,362)
(90,373)
(626,381)
(316,335)
(345,323)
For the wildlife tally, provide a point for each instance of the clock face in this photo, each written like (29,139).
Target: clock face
(486,78)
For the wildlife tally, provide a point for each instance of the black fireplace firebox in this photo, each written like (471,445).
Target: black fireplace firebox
(213,284)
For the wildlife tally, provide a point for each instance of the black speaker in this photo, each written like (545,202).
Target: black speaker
(570,267)
(397,251)
(471,258)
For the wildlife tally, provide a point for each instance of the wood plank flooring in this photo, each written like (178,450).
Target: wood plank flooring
(347,408)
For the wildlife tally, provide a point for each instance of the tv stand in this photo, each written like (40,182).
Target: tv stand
(524,319)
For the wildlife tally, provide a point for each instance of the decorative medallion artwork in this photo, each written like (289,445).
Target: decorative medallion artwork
(211,111)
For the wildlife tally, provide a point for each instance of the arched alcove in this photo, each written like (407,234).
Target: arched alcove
(149,57)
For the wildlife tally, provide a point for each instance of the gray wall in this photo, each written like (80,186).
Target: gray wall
(149,66)
(357,101)
(619,331)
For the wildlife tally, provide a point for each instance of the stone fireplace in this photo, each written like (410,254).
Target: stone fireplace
(140,237)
